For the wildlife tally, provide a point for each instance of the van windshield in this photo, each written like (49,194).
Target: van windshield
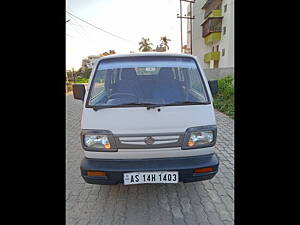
(121,82)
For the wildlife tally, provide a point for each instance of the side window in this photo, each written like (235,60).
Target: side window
(177,76)
(115,77)
(195,81)
(112,79)
(181,75)
(98,86)
(174,74)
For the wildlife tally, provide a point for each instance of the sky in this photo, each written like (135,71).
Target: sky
(130,19)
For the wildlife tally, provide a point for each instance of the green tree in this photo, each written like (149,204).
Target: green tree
(69,75)
(86,73)
(145,45)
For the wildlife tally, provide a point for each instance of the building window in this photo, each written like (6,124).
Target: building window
(213,49)
(223,52)
(225,8)
(216,64)
(217,48)
(224,30)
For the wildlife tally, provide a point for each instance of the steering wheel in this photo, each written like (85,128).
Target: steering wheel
(121,95)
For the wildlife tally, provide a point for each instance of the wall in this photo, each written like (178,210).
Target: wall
(218,73)
(227,40)
(199,47)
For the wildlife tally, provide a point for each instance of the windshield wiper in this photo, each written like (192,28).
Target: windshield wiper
(191,103)
(149,105)
(121,105)
(152,106)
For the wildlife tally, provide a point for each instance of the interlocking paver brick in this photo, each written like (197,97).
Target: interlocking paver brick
(206,203)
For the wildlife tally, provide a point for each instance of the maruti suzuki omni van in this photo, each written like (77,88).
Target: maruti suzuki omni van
(147,118)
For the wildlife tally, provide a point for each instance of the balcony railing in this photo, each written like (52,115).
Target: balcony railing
(210,6)
(211,56)
(212,37)
(212,24)
(215,13)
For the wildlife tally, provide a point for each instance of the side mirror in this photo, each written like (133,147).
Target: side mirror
(78,91)
(213,84)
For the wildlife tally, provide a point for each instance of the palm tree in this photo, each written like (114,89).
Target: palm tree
(164,42)
(145,45)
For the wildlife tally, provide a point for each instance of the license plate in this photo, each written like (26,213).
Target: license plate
(151,177)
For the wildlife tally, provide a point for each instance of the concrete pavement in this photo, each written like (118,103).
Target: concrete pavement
(205,202)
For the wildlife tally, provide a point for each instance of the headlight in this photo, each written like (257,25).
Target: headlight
(200,137)
(95,140)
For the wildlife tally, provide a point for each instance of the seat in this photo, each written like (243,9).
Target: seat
(166,87)
(128,83)
(147,84)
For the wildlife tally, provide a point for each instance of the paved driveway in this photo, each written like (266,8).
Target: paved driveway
(205,202)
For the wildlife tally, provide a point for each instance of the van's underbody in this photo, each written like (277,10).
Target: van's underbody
(115,168)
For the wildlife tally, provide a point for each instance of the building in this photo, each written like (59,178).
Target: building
(90,60)
(186,49)
(213,33)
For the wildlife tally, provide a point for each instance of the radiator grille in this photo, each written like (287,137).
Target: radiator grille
(149,140)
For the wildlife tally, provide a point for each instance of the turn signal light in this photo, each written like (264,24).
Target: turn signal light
(203,170)
(107,146)
(96,173)
(190,143)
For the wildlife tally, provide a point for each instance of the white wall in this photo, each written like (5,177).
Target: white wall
(227,40)
(199,47)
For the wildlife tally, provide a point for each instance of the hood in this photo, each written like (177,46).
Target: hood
(139,120)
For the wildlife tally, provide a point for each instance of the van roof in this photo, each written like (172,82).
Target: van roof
(146,54)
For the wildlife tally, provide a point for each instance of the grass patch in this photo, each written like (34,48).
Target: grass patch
(224,100)
(82,80)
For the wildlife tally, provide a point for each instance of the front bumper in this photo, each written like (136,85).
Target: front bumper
(115,168)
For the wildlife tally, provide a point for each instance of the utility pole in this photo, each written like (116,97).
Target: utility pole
(180,26)
(191,25)
(186,17)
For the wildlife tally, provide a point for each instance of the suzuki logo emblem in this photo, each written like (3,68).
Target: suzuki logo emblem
(149,140)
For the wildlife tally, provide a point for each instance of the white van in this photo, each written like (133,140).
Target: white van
(147,118)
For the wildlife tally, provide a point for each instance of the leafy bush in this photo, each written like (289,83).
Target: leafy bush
(86,73)
(69,87)
(224,100)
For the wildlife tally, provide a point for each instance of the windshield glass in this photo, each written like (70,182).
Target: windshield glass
(146,80)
